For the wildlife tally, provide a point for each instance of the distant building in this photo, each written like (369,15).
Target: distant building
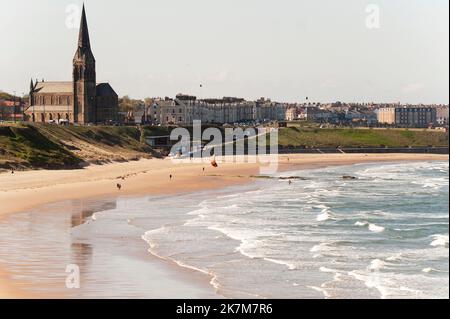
(415,116)
(408,116)
(185,109)
(81,100)
(291,114)
(442,115)
(11,110)
(316,114)
(386,115)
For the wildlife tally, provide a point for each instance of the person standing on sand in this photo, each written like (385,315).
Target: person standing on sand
(171,176)
(119,186)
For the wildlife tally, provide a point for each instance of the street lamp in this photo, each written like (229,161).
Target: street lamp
(21,106)
(14,107)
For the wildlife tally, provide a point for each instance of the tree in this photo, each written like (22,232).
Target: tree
(125,104)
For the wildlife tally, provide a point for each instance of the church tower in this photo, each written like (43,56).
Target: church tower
(84,78)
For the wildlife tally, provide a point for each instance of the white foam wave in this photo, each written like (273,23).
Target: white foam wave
(396,257)
(377,264)
(328,270)
(324,216)
(376,229)
(361,224)
(289,265)
(439,240)
(372,227)
(429,270)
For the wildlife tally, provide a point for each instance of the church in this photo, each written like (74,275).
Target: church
(80,101)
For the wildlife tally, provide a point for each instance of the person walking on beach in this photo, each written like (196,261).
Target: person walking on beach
(119,186)
(171,176)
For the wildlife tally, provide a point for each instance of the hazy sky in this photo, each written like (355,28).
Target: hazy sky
(283,49)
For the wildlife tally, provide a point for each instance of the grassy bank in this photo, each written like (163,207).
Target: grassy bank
(322,138)
(57,147)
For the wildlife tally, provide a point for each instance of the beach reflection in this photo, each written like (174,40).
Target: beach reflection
(37,246)
(103,240)
(85,210)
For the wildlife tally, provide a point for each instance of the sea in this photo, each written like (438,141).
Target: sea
(357,231)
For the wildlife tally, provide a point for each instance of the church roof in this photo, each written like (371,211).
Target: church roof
(104,89)
(54,87)
(83,37)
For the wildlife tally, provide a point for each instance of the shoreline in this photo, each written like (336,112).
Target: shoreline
(26,190)
(150,177)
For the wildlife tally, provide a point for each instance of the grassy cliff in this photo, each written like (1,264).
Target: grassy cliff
(57,147)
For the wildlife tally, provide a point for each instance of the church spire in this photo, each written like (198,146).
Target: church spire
(83,37)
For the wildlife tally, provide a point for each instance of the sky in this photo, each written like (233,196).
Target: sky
(287,50)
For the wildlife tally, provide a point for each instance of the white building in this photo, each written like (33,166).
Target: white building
(184,109)
(442,115)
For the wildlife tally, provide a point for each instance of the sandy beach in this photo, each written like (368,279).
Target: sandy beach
(23,191)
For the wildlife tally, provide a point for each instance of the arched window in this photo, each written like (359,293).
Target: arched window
(42,117)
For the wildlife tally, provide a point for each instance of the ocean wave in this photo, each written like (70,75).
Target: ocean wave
(384,283)
(439,240)
(324,216)
(288,264)
(396,257)
(152,250)
(361,224)
(328,270)
(429,270)
(376,229)
(377,264)
(372,227)
(321,247)
(281,224)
